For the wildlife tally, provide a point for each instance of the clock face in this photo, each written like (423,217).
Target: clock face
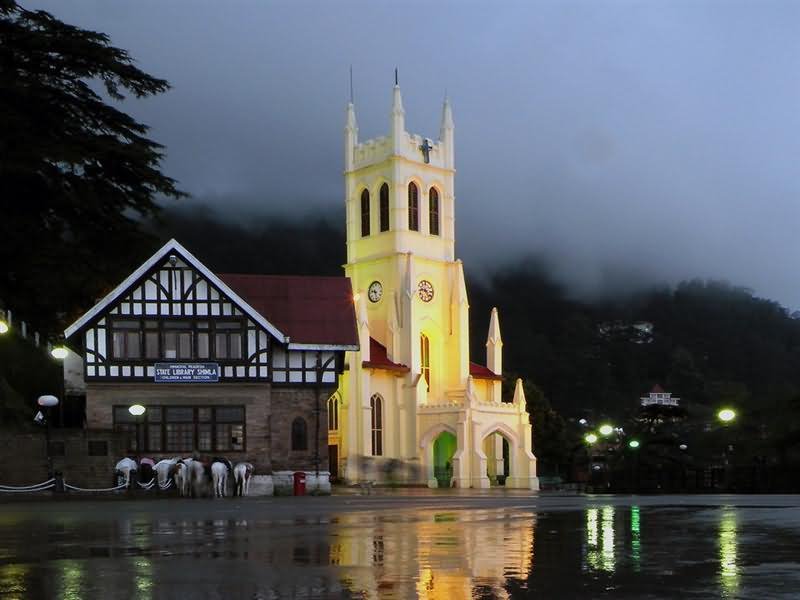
(375,291)
(425,290)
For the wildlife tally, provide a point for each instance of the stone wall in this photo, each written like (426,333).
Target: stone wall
(23,460)
(101,398)
(288,404)
(269,412)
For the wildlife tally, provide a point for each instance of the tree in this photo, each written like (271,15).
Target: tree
(77,175)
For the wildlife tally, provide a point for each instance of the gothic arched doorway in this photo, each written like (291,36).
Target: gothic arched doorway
(498,457)
(444,447)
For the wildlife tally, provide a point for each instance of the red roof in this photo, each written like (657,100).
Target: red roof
(657,389)
(481,372)
(379,359)
(310,310)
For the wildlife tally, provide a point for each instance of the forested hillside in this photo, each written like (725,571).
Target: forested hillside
(711,343)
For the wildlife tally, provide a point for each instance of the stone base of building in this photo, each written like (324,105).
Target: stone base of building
(261,485)
(523,483)
(284,482)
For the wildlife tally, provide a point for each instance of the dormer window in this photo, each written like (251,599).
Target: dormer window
(433,210)
(384,201)
(365,213)
(413,207)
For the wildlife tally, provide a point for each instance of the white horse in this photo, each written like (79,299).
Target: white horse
(183,473)
(242,473)
(219,476)
(125,467)
(163,468)
(196,477)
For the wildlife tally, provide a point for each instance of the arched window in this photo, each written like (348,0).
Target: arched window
(299,434)
(365,213)
(413,207)
(425,359)
(384,207)
(333,413)
(376,407)
(433,210)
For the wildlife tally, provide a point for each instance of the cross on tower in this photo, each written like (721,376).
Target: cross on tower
(426,150)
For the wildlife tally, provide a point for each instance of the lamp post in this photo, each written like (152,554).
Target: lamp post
(137,411)
(60,353)
(726,417)
(46,403)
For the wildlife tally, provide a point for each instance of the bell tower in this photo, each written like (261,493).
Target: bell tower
(399,195)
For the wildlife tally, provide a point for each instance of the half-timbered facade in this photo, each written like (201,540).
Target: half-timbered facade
(234,365)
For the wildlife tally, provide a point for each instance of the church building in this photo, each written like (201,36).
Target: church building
(411,405)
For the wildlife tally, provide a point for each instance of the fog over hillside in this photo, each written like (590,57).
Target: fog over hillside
(625,143)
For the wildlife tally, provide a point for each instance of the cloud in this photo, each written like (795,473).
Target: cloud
(658,139)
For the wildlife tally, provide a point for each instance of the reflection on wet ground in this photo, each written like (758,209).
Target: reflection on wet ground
(403,548)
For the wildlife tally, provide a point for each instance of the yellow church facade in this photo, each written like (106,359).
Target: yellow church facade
(411,406)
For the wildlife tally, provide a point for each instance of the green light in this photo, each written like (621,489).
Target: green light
(633,443)
(606,429)
(590,438)
(726,415)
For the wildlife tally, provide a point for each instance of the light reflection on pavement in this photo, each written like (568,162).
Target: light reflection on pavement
(405,546)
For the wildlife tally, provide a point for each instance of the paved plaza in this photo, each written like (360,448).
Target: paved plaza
(403,544)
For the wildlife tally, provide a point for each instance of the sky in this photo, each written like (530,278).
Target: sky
(625,142)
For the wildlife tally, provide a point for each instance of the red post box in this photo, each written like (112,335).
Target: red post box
(299,484)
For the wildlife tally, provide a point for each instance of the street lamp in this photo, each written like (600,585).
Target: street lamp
(3,327)
(606,429)
(633,444)
(137,410)
(47,402)
(59,352)
(726,415)
(590,438)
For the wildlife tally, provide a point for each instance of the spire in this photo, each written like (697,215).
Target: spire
(447,118)
(410,285)
(350,137)
(446,135)
(393,326)
(494,345)
(519,393)
(494,329)
(460,287)
(351,118)
(398,118)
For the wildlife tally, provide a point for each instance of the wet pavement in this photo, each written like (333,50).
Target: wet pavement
(404,545)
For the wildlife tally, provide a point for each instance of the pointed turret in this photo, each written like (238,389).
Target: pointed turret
(519,393)
(494,345)
(460,287)
(446,134)
(350,137)
(393,326)
(363,326)
(398,130)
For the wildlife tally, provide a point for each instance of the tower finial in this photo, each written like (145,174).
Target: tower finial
(395,76)
(351,85)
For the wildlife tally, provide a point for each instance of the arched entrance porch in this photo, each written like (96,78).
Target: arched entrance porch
(444,448)
(498,458)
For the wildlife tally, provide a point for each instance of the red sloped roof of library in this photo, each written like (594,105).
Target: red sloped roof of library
(310,310)
(481,372)
(379,358)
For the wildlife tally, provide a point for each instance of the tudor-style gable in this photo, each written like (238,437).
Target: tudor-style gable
(173,310)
